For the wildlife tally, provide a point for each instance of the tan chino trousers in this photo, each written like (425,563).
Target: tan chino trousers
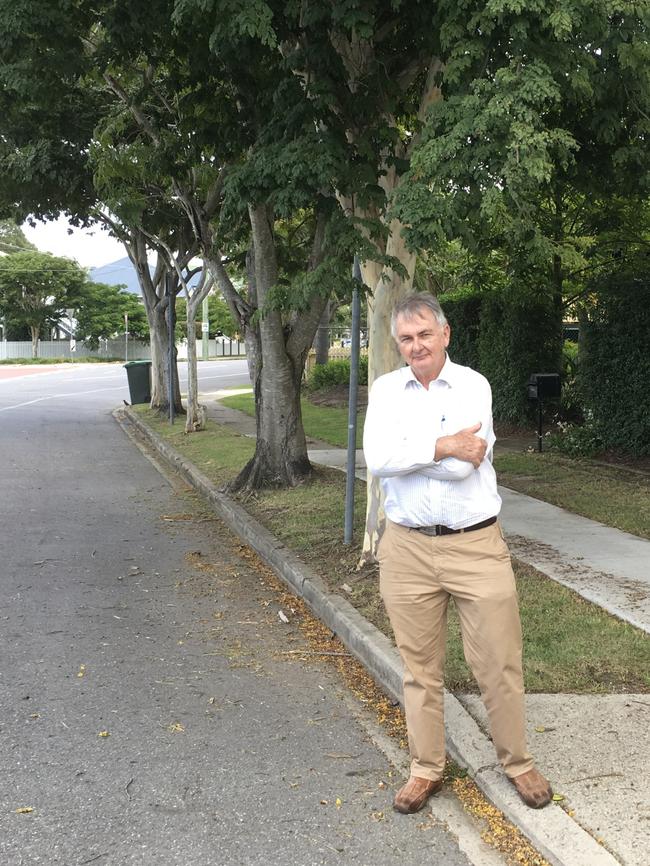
(418,575)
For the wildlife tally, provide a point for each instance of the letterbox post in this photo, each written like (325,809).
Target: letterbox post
(541,385)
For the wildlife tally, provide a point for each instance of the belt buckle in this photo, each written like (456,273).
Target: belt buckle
(432,531)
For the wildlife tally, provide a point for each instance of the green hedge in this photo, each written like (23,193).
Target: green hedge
(614,369)
(336,372)
(464,314)
(506,337)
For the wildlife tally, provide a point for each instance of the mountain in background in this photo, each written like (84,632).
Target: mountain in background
(118,273)
(122,273)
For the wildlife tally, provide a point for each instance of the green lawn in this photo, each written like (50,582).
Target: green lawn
(327,423)
(612,496)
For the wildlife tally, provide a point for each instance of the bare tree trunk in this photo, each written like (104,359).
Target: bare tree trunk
(196,413)
(138,243)
(280,458)
(159,342)
(384,357)
(322,342)
(276,347)
(389,288)
(159,353)
(35,334)
(155,304)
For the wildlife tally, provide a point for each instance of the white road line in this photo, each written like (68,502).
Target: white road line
(57,396)
(224,376)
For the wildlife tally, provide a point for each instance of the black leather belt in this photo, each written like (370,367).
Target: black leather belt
(445,530)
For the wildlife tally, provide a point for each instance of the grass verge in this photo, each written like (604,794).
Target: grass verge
(571,645)
(327,423)
(611,495)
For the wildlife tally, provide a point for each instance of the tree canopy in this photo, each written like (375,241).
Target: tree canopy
(35,290)
(12,238)
(505,143)
(100,310)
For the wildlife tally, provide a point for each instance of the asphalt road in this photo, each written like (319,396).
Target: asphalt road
(152,710)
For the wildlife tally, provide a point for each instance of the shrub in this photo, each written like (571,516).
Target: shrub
(576,440)
(463,312)
(336,372)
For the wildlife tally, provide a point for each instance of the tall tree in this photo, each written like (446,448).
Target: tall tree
(544,126)
(323,104)
(51,102)
(231,143)
(99,312)
(35,290)
(526,103)
(12,238)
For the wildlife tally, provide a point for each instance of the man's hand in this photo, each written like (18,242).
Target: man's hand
(464,445)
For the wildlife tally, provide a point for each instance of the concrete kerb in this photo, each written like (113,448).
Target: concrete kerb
(559,838)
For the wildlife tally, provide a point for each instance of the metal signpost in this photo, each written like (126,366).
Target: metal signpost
(205,330)
(352,404)
(171,327)
(73,342)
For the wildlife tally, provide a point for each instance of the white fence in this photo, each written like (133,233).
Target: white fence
(135,350)
(219,347)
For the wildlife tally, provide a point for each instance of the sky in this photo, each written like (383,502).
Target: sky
(91,248)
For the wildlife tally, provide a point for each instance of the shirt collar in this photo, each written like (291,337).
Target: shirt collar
(447,374)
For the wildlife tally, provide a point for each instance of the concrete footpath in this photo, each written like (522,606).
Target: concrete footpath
(595,749)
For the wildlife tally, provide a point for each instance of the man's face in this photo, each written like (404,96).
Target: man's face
(422,341)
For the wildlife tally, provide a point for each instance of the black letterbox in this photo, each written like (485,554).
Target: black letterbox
(542,386)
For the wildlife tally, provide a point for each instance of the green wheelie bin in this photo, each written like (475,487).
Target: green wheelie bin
(138,374)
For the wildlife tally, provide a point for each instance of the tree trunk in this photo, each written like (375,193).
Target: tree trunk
(196,413)
(155,305)
(322,342)
(35,332)
(159,342)
(276,350)
(389,288)
(280,458)
(383,357)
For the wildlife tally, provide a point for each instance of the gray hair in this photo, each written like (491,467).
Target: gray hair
(413,305)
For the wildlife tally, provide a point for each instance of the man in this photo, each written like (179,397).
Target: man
(428,435)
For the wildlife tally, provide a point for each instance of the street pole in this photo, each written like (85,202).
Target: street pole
(171,325)
(352,405)
(73,342)
(126,337)
(205,330)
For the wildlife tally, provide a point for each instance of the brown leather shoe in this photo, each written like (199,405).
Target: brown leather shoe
(414,794)
(533,788)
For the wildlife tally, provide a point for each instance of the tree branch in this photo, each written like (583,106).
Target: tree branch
(137,112)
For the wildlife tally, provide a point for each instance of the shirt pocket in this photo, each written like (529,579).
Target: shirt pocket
(455,418)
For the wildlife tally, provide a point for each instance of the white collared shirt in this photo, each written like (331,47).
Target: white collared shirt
(404,421)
